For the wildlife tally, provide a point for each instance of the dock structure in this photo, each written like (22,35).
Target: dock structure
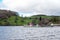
(55,24)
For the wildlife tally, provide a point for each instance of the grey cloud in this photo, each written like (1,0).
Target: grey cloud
(50,7)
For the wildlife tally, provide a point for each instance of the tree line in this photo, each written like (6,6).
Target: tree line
(11,18)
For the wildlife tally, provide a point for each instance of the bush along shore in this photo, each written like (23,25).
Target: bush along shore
(11,18)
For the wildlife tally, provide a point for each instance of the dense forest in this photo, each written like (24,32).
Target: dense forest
(11,18)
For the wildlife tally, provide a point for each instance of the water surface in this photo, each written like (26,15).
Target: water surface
(29,33)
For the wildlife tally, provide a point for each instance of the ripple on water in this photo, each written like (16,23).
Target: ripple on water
(29,33)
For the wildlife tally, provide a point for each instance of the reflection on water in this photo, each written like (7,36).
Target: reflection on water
(29,33)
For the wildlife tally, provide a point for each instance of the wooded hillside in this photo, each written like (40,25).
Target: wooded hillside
(11,18)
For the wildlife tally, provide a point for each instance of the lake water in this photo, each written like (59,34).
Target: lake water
(29,33)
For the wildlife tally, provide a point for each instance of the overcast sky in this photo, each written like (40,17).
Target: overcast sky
(32,7)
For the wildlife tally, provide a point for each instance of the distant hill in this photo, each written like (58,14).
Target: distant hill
(38,16)
(44,16)
(7,13)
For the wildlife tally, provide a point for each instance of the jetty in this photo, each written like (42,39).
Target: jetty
(55,24)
